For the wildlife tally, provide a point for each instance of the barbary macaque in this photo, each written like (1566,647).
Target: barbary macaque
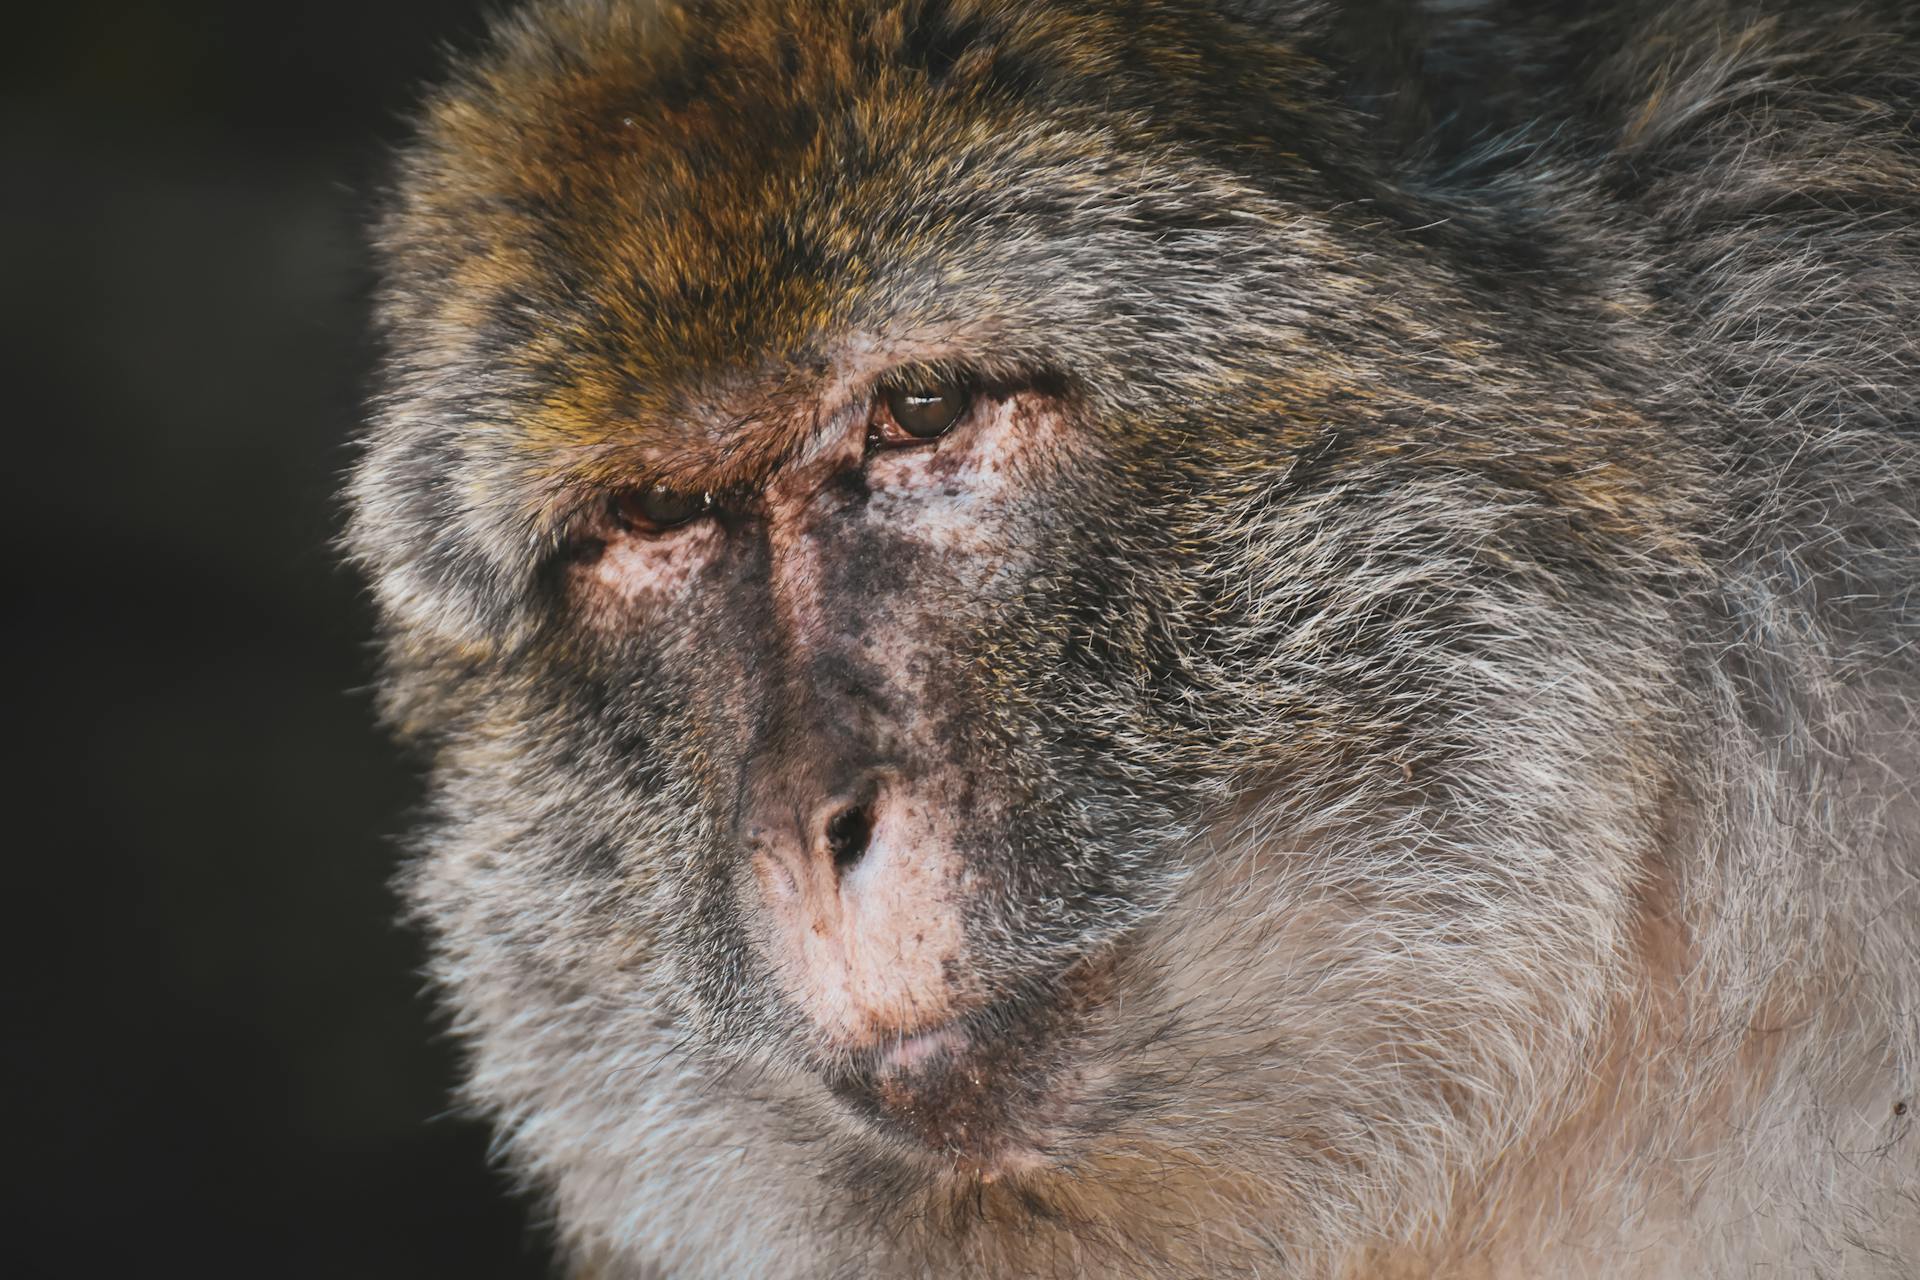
(1178,638)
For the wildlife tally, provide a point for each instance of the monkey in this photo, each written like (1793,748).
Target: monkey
(1181,638)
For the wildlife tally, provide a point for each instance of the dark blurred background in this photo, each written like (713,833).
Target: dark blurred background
(216,1051)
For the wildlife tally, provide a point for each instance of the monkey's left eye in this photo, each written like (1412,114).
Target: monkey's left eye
(658,508)
(920,411)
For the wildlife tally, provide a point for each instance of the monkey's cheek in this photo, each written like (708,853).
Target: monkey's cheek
(634,574)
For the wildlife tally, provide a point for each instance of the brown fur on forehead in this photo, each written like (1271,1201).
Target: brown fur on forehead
(675,213)
(668,194)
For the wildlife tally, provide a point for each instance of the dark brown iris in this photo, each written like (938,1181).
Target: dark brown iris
(657,507)
(924,411)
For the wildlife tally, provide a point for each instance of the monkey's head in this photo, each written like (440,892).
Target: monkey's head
(958,571)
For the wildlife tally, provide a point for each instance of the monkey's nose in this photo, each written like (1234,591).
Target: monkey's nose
(857,907)
(812,849)
(845,830)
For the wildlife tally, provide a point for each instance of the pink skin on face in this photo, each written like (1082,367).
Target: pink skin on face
(874,952)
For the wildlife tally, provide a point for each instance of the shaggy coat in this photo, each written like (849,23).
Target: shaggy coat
(1438,698)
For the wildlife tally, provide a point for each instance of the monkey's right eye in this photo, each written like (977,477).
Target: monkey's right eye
(920,412)
(657,508)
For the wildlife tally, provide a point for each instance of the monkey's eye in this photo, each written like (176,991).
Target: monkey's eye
(920,411)
(658,508)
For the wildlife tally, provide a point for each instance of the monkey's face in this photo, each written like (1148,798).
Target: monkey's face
(908,841)
(931,584)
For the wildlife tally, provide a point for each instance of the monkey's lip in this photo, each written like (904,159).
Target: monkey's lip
(983,1091)
(922,1047)
(962,1092)
(931,1048)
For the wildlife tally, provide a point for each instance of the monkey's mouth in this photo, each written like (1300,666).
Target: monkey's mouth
(987,1092)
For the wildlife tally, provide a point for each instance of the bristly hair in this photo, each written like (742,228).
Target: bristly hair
(1468,687)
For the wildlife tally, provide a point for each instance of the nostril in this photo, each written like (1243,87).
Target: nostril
(847,834)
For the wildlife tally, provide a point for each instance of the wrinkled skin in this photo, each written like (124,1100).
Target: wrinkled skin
(1370,743)
(842,621)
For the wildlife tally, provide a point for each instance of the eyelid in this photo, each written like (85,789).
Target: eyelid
(907,377)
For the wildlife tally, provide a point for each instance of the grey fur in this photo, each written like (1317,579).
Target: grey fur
(1469,696)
